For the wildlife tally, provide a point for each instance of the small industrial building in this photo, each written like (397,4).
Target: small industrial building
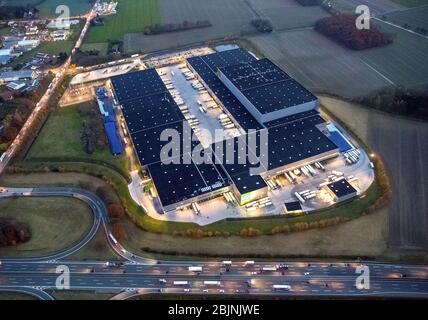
(341,190)
(16,86)
(293,207)
(27,45)
(10,76)
(255,94)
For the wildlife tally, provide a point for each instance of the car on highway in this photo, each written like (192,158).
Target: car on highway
(186,290)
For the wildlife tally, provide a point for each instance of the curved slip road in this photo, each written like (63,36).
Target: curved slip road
(34,292)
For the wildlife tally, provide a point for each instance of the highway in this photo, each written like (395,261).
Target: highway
(137,275)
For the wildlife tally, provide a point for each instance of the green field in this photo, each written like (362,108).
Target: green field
(47,7)
(404,62)
(132,16)
(414,19)
(411,3)
(60,140)
(55,223)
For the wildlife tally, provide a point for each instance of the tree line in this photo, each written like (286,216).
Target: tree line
(13,232)
(173,27)
(342,29)
(412,103)
(92,135)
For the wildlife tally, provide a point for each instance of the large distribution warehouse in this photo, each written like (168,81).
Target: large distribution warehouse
(256,94)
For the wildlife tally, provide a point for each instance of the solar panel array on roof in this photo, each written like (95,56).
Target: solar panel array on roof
(227,58)
(296,141)
(130,86)
(293,206)
(148,144)
(148,109)
(314,116)
(205,66)
(246,182)
(151,111)
(254,74)
(342,188)
(176,183)
(278,96)
(264,88)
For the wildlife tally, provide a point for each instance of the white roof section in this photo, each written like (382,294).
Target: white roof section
(102,74)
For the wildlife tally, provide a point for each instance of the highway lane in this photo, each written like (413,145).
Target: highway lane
(231,285)
(140,274)
(318,279)
(294,269)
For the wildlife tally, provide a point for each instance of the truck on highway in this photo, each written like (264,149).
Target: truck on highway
(279,287)
(226,263)
(2,156)
(195,269)
(181,283)
(269,269)
(113,239)
(249,263)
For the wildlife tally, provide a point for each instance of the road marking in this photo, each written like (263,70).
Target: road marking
(379,73)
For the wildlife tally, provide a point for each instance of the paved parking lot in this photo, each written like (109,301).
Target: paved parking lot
(208,122)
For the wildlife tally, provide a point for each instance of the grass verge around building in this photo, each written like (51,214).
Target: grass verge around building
(56,223)
(60,140)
